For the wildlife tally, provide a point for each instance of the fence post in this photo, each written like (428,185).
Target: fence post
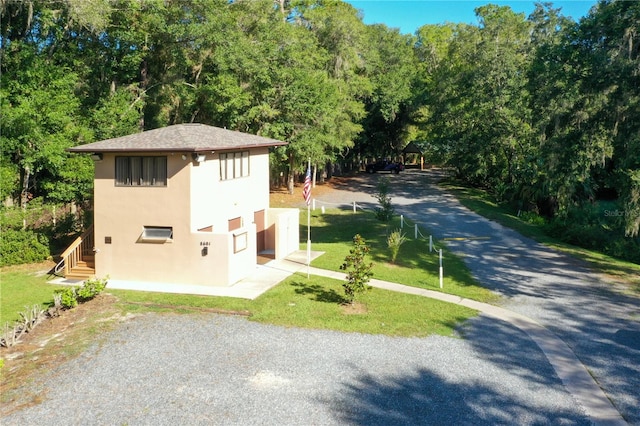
(313,202)
(430,243)
(416,231)
(441,275)
(322,208)
(354,207)
(401,221)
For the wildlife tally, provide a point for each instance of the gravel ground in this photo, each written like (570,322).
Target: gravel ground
(212,369)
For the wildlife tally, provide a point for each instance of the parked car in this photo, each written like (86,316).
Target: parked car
(384,166)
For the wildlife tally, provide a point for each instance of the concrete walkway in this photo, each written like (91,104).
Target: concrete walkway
(263,278)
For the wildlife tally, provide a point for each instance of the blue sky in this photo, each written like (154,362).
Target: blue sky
(409,15)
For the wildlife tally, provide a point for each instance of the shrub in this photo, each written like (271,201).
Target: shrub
(394,241)
(386,211)
(22,246)
(71,296)
(593,228)
(532,218)
(90,289)
(68,297)
(359,272)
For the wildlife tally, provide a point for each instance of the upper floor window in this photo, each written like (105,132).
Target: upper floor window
(234,165)
(141,171)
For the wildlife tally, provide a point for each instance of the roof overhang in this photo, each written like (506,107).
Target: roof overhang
(186,138)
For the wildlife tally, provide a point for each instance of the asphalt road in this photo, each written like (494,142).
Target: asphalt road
(599,321)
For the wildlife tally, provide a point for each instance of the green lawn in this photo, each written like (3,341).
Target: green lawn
(21,289)
(314,302)
(415,265)
(484,204)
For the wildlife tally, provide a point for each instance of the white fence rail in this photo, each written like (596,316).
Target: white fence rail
(403,220)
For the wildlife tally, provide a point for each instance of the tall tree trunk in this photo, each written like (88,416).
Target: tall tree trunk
(315,173)
(24,194)
(144,84)
(282,11)
(291,173)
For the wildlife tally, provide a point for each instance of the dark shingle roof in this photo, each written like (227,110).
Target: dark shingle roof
(180,137)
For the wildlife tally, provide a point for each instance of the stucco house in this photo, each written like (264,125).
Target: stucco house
(187,203)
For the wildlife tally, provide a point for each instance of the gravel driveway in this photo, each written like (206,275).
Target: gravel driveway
(214,369)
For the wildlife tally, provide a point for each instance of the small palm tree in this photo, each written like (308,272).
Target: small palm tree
(394,241)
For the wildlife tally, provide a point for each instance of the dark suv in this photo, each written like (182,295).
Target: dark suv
(385,166)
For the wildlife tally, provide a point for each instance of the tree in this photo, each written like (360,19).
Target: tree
(359,271)
(390,66)
(41,118)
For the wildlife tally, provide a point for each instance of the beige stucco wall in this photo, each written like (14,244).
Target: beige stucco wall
(283,231)
(194,198)
(214,202)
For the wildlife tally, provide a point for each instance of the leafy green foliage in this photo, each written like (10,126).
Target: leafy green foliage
(394,241)
(595,228)
(19,246)
(358,270)
(538,110)
(71,296)
(385,212)
(90,289)
(68,297)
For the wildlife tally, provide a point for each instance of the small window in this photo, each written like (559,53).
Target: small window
(239,242)
(157,234)
(234,165)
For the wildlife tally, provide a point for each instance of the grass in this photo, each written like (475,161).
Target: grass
(21,287)
(314,303)
(298,301)
(317,302)
(482,203)
(333,231)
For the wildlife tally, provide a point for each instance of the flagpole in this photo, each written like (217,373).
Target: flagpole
(308,227)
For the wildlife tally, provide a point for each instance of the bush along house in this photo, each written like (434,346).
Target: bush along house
(185,204)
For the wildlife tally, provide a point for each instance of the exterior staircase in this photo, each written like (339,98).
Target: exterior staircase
(79,260)
(83,269)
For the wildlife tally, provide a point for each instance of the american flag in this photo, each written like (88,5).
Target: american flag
(306,191)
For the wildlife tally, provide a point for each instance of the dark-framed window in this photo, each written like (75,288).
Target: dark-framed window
(141,171)
(234,165)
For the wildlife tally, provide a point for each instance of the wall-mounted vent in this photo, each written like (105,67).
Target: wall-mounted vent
(156,234)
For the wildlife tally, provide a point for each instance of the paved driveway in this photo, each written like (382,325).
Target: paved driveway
(598,321)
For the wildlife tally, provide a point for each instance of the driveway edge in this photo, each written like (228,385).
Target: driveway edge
(567,366)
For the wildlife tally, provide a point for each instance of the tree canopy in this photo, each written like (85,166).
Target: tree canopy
(540,110)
